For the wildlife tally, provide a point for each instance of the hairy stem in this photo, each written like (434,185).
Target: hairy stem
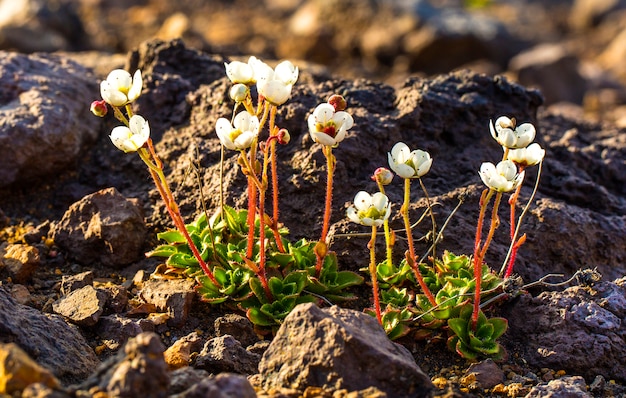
(410,253)
(330,170)
(373,275)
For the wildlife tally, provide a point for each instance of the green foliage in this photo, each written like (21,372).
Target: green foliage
(451,280)
(291,276)
(471,341)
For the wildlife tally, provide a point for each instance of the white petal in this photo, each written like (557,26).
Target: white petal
(380,201)
(340,135)
(245,139)
(286,72)
(400,152)
(343,119)
(111,95)
(275,91)
(323,113)
(352,215)
(507,169)
(136,123)
(424,167)
(223,129)
(322,138)
(403,170)
(137,86)
(362,200)
(246,122)
(526,134)
(367,221)
(120,79)
(119,136)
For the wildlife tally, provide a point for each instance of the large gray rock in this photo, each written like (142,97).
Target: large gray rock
(104,228)
(47,339)
(337,348)
(44,114)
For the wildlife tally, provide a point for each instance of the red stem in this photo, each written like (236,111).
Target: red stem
(374,276)
(330,161)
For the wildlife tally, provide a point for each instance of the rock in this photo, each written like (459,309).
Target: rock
(21,294)
(29,26)
(139,367)
(173,297)
(50,341)
(553,69)
(225,354)
(115,330)
(103,228)
(20,261)
(184,378)
(83,306)
(566,387)
(579,330)
(18,370)
(39,390)
(44,115)
(585,14)
(454,37)
(224,385)
(486,374)
(171,71)
(237,326)
(612,54)
(178,355)
(143,369)
(69,283)
(117,298)
(336,349)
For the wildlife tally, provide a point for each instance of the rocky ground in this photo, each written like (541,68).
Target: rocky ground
(84,313)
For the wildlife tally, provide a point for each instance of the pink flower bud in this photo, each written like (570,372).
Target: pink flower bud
(383,175)
(338,102)
(283,137)
(99,108)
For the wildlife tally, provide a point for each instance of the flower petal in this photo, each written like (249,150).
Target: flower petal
(323,113)
(362,200)
(135,90)
(322,138)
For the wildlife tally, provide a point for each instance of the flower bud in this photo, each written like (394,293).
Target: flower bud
(338,102)
(283,136)
(383,176)
(239,92)
(99,108)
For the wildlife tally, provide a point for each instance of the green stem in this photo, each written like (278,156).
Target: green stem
(389,236)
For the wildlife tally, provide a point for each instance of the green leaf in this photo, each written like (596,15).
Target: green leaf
(259,318)
(162,251)
(499,326)
(172,236)
(459,327)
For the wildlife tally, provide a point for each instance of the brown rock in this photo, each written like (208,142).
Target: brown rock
(104,228)
(18,370)
(83,306)
(339,349)
(20,261)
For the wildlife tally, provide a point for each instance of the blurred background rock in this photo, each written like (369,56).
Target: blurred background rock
(573,50)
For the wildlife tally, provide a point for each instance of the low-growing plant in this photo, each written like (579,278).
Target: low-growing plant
(244,258)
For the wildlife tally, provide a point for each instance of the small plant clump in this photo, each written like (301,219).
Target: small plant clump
(244,259)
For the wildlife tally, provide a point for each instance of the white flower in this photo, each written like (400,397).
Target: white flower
(328,127)
(503,177)
(260,70)
(275,85)
(510,136)
(130,139)
(239,72)
(241,134)
(529,156)
(370,210)
(120,88)
(407,163)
